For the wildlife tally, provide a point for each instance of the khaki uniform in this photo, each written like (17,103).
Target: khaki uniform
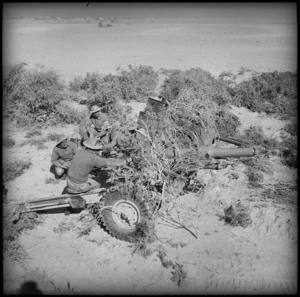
(93,126)
(84,162)
(61,158)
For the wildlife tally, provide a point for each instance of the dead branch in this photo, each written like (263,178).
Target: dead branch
(179,224)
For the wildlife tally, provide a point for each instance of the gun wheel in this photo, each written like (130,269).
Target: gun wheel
(122,215)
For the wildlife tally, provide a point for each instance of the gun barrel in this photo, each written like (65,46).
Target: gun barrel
(232,141)
(209,152)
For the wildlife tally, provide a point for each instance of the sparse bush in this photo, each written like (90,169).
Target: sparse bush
(101,90)
(33,133)
(34,141)
(76,85)
(34,93)
(68,115)
(237,215)
(200,82)
(208,96)
(15,168)
(137,83)
(227,123)
(286,149)
(271,92)
(8,142)
(254,135)
(178,273)
(12,77)
(281,193)
(255,168)
(53,136)
(80,96)
(254,175)
(289,152)
(292,128)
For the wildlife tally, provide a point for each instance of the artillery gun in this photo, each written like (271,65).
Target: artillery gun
(122,211)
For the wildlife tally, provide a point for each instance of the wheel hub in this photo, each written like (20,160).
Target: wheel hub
(126,214)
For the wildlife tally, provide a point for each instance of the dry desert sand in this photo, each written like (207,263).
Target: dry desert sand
(261,258)
(75,49)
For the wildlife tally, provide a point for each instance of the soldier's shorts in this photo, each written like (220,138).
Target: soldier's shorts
(74,188)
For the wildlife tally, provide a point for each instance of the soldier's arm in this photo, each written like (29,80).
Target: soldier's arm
(55,158)
(113,143)
(101,134)
(104,162)
(90,131)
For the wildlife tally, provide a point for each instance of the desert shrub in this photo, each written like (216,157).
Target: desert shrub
(254,135)
(289,152)
(119,113)
(254,175)
(80,96)
(292,128)
(15,168)
(33,132)
(107,94)
(53,136)
(137,83)
(281,193)
(35,93)
(66,114)
(255,169)
(178,273)
(12,77)
(227,123)
(199,81)
(271,92)
(286,149)
(76,85)
(38,141)
(207,96)
(237,215)
(8,142)
(100,90)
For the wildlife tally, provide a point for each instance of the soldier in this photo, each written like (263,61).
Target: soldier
(93,126)
(85,160)
(62,156)
(118,138)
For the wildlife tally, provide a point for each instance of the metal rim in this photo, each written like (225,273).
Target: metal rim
(126,214)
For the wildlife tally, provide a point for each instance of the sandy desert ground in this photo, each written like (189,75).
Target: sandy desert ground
(61,259)
(75,49)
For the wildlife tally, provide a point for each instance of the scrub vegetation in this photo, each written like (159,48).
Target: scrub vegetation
(35,99)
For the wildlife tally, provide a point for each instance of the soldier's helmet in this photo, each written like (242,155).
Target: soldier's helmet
(61,139)
(93,143)
(94,108)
